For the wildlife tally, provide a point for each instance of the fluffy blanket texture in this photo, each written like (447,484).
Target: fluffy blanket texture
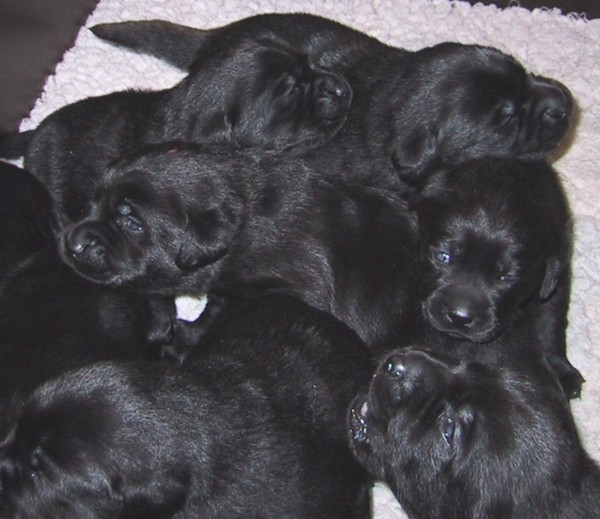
(546,42)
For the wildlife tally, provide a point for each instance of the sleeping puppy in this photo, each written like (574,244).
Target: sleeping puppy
(496,239)
(448,103)
(265,95)
(254,427)
(52,320)
(25,216)
(468,434)
(189,219)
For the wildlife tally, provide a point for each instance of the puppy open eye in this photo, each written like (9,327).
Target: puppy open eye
(508,278)
(443,257)
(132,224)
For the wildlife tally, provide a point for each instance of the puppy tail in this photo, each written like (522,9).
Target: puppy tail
(14,145)
(176,44)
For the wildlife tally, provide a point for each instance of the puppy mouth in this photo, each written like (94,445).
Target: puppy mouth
(97,269)
(471,331)
(358,421)
(480,337)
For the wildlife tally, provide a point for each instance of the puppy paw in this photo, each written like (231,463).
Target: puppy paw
(170,353)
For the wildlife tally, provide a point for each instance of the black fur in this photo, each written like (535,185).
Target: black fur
(496,239)
(254,427)
(187,219)
(266,95)
(275,74)
(51,319)
(25,216)
(466,432)
(446,103)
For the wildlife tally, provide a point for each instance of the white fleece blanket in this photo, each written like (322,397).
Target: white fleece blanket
(563,47)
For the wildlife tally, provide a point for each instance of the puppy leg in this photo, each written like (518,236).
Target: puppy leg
(187,335)
(163,314)
(551,326)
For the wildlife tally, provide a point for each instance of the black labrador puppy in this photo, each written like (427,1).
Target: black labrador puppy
(449,102)
(267,95)
(460,432)
(191,219)
(496,239)
(255,426)
(446,103)
(51,319)
(236,223)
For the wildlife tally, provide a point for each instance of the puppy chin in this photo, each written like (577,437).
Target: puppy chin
(101,274)
(478,335)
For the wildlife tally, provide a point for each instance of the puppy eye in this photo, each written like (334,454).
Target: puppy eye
(508,108)
(124,209)
(132,224)
(448,430)
(126,218)
(508,278)
(507,111)
(443,257)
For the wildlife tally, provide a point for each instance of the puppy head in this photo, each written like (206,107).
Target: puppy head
(264,93)
(164,218)
(79,450)
(450,438)
(462,102)
(494,236)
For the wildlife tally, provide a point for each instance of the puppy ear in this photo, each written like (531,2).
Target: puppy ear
(554,269)
(205,239)
(430,185)
(413,153)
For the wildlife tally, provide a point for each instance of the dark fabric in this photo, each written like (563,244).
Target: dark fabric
(590,7)
(34,34)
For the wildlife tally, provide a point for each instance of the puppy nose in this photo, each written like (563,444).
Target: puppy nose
(553,110)
(81,238)
(460,317)
(332,96)
(555,103)
(330,85)
(395,365)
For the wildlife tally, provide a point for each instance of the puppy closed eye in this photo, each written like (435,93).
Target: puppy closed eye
(454,427)
(506,112)
(508,277)
(448,430)
(126,219)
